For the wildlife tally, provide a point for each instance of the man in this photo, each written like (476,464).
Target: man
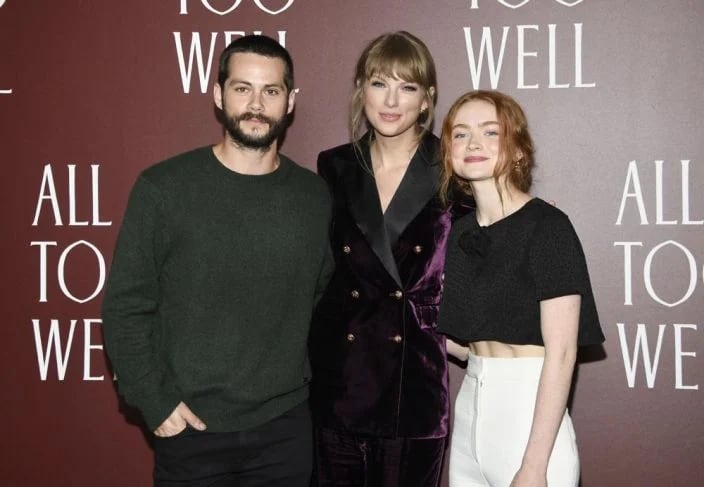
(222,254)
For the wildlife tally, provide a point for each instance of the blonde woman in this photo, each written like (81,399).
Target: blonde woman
(379,393)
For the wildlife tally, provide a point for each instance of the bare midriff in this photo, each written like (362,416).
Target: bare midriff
(505,350)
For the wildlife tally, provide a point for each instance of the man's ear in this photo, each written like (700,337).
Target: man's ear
(292,99)
(217,95)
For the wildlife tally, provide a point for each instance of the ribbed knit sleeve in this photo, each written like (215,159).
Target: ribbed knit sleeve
(131,304)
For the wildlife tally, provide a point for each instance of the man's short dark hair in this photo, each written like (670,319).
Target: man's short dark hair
(256,44)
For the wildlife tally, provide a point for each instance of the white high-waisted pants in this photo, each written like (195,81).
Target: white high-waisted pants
(493,417)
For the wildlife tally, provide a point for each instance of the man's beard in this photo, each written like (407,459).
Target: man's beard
(259,141)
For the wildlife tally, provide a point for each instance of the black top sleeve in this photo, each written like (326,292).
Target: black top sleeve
(557,260)
(559,268)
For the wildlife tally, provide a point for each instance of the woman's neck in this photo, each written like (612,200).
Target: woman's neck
(492,206)
(389,153)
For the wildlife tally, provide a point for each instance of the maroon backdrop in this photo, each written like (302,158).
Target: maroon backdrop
(93,92)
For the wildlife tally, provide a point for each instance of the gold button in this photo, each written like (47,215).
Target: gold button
(346,249)
(418,249)
(397,338)
(350,337)
(355,294)
(396,294)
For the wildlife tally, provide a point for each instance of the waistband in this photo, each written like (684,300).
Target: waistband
(509,369)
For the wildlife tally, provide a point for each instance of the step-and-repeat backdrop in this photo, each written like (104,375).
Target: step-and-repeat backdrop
(92,92)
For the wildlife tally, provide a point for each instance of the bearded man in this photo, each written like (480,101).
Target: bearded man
(221,257)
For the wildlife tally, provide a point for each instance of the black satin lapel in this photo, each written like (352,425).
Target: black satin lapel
(364,205)
(418,186)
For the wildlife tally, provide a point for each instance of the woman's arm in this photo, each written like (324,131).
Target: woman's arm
(559,323)
(456,350)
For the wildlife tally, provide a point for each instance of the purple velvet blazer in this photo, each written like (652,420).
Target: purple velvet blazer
(379,367)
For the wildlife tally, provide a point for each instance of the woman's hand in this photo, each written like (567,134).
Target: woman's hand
(527,477)
(456,350)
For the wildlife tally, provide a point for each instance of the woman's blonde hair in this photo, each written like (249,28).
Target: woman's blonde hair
(395,54)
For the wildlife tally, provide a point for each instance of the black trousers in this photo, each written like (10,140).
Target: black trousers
(346,460)
(276,454)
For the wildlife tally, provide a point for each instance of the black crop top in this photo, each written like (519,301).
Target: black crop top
(496,276)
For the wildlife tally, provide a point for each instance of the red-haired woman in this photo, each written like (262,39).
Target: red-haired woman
(517,291)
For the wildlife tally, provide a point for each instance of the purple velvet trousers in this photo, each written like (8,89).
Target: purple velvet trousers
(346,460)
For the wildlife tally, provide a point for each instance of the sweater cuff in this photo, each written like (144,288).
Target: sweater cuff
(157,412)
(155,405)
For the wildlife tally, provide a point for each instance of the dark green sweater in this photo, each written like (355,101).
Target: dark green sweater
(212,287)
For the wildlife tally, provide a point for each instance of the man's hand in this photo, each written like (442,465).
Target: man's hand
(178,420)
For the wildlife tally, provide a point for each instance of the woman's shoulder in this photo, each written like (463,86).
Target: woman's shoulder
(545,223)
(429,147)
(540,210)
(343,150)
(335,159)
